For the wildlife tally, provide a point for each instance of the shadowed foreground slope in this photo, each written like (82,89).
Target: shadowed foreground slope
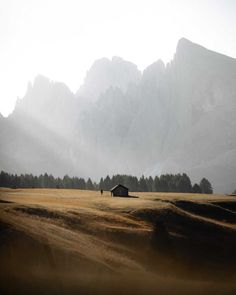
(78,242)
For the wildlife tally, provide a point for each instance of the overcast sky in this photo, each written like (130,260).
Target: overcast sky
(61,38)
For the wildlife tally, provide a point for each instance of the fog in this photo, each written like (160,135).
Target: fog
(178,117)
(62,39)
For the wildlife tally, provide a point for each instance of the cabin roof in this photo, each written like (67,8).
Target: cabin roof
(118,186)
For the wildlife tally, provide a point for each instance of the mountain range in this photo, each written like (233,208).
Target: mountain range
(178,117)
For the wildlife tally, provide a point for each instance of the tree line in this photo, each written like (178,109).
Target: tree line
(163,183)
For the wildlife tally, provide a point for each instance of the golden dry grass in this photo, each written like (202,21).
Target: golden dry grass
(75,238)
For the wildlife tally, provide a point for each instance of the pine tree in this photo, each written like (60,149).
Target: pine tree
(89,185)
(186,185)
(196,189)
(156,184)
(150,184)
(82,183)
(142,184)
(67,182)
(107,183)
(205,186)
(101,184)
(163,183)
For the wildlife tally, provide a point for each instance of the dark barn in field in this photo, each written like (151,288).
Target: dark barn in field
(120,191)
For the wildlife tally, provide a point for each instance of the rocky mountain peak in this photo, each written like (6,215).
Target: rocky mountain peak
(106,73)
(154,71)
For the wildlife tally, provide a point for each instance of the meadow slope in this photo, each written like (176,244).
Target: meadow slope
(79,242)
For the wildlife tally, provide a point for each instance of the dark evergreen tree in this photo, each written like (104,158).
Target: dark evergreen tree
(150,183)
(89,185)
(82,183)
(196,189)
(107,183)
(156,184)
(3,178)
(131,182)
(205,186)
(163,183)
(67,183)
(185,184)
(101,184)
(142,184)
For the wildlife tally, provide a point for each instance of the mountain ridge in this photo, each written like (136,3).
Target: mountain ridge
(177,117)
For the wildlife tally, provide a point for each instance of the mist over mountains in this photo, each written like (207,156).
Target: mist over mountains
(174,118)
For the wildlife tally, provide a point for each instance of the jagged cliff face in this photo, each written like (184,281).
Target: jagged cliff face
(49,103)
(38,135)
(105,74)
(206,102)
(174,118)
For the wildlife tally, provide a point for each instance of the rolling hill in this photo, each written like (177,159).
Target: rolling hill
(72,241)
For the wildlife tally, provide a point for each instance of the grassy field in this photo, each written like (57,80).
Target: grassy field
(56,241)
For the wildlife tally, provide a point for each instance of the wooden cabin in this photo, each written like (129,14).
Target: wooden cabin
(120,191)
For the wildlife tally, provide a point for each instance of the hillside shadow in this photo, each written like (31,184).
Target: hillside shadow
(5,202)
(126,197)
(134,197)
(179,239)
(209,210)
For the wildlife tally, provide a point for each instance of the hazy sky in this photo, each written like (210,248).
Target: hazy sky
(61,38)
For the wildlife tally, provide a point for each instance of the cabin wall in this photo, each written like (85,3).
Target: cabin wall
(120,191)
